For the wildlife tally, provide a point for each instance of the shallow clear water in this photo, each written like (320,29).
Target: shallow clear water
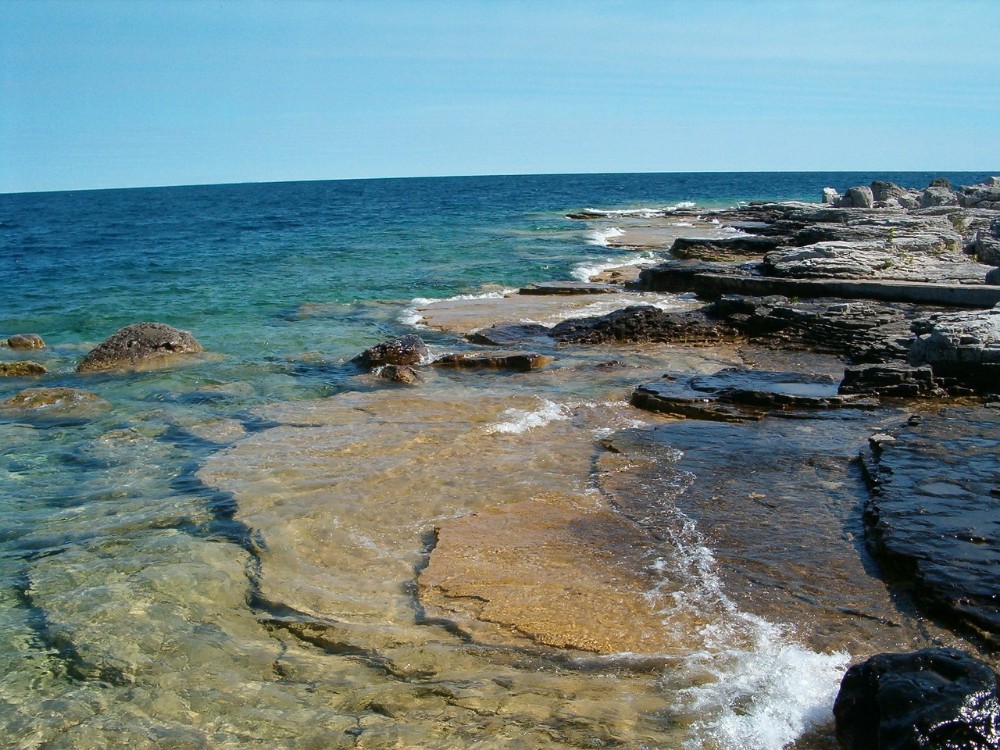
(263,548)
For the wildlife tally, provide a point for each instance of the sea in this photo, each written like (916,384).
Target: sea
(264,546)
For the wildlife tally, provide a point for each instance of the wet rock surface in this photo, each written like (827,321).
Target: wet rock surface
(737,394)
(405,350)
(933,519)
(759,494)
(640,324)
(933,699)
(139,346)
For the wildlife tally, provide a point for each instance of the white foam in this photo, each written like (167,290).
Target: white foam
(519,421)
(587,271)
(412,315)
(756,687)
(601,237)
(642,212)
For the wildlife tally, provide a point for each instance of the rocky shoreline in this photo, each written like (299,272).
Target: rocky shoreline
(899,287)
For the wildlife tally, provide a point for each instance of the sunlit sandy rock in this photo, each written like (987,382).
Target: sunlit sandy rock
(584,563)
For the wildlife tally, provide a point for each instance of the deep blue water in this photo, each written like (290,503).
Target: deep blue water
(221,259)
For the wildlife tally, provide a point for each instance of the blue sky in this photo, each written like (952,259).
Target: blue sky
(129,93)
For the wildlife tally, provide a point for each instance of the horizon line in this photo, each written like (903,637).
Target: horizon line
(495,175)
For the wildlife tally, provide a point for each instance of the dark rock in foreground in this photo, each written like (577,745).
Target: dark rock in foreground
(933,699)
(892,380)
(933,518)
(741,247)
(640,324)
(25,341)
(406,350)
(737,394)
(518,361)
(139,346)
(21,369)
(964,346)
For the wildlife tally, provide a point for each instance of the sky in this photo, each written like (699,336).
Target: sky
(126,93)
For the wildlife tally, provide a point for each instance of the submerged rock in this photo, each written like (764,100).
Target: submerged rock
(933,699)
(53,399)
(519,361)
(506,334)
(25,341)
(399,374)
(21,369)
(405,350)
(139,346)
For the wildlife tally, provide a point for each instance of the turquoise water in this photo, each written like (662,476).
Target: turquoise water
(135,594)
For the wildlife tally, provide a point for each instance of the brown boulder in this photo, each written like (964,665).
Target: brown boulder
(21,369)
(406,350)
(25,341)
(139,346)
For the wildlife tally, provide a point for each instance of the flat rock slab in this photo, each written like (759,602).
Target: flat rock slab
(737,394)
(570,287)
(584,594)
(711,284)
(933,519)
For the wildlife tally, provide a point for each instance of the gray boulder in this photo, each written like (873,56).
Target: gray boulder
(984,195)
(987,244)
(140,346)
(938,195)
(860,197)
(883,191)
